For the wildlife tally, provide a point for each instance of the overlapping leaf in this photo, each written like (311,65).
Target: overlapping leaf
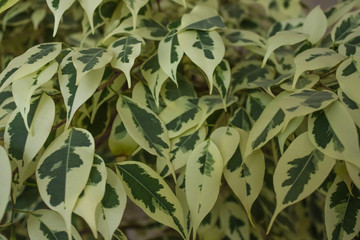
(171,91)
(63,170)
(89,7)
(151,29)
(222,77)
(5,180)
(348,24)
(255,104)
(348,74)
(202,18)
(315,25)
(350,45)
(352,107)
(134,7)
(242,38)
(5,4)
(58,7)
(241,120)
(227,140)
(151,193)
(7,106)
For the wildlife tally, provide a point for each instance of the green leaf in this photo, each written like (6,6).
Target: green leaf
(120,142)
(154,76)
(25,87)
(222,77)
(44,224)
(29,62)
(6,4)
(63,170)
(170,54)
(75,95)
(242,38)
(170,91)
(348,24)
(134,7)
(5,179)
(181,115)
(342,209)
(199,46)
(58,7)
(203,179)
(92,194)
(202,18)
(89,59)
(348,74)
(315,25)
(245,175)
(22,145)
(126,50)
(151,193)
(333,132)
(315,58)
(110,210)
(234,221)
(89,8)
(151,134)
(241,120)
(299,172)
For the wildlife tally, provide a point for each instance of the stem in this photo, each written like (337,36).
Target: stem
(58,125)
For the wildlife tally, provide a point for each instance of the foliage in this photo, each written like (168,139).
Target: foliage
(179,119)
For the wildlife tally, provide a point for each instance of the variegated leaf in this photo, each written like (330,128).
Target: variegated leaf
(282,38)
(125,27)
(181,115)
(170,54)
(134,7)
(22,145)
(151,134)
(29,62)
(151,29)
(292,125)
(119,235)
(354,174)
(348,24)
(266,84)
(5,180)
(350,45)
(203,179)
(333,132)
(5,4)
(270,123)
(227,140)
(342,208)
(89,7)
(152,194)
(24,88)
(241,120)
(255,104)
(315,58)
(246,72)
(44,224)
(304,82)
(294,24)
(2,237)
(245,175)
(352,107)
(142,94)
(205,49)
(92,194)
(75,95)
(222,77)
(299,172)
(109,211)
(154,76)
(181,196)
(315,25)
(89,59)
(202,18)
(336,11)
(120,142)
(7,106)
(242,38)
(170,91)
(348,75)
(63,170)
(234,221)
(58,7)
(126,49)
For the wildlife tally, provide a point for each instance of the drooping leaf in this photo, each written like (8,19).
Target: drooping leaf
(202,18)
(234,221)
(315,58)
(205,49)
(181,115)
(89,8)
(342,210)
(75,95)
(333,132)
(58,7)
(126,49)
(89,59)
(170,54)
(134,7)
(29,62)
(315,25)
(152,194)
(348,74)
(5,180)
(203,179)
(242,38)
(23,145)
(63,170)
(181,195)
(44,224)
(299,172)
(92,194)
(245,175)
(154,76)
(348,24)
(110,210)
(222,77)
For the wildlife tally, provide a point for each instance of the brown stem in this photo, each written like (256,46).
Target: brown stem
(58,125)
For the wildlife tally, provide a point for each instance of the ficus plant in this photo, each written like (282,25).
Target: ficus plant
(179,119)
